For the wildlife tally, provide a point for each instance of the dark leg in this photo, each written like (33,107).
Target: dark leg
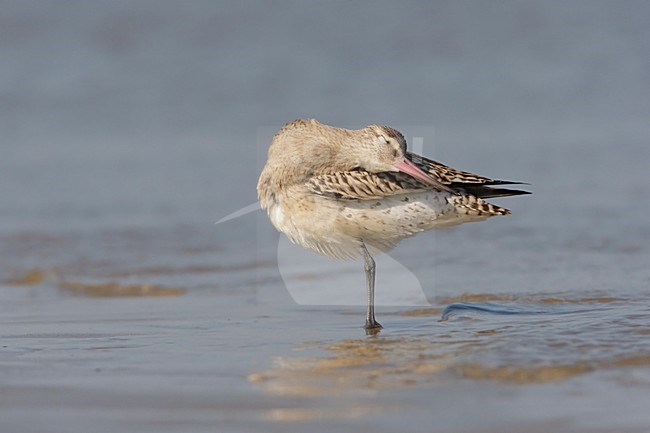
(371,323)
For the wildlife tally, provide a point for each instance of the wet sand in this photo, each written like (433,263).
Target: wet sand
(129,128)
(190,340)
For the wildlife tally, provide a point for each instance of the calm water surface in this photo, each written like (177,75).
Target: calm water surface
(124,308)
(532,327)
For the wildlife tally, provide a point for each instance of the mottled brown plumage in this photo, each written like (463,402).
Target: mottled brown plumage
(349,193)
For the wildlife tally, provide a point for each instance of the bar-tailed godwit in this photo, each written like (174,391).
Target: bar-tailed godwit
(354,193)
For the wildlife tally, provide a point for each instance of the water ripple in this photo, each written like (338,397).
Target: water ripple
(472,309)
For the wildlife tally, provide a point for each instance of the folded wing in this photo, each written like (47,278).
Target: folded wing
(363,185)
(463,181)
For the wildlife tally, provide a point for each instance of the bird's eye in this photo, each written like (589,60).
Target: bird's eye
(395,153)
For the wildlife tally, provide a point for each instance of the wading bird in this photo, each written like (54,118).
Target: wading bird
(354,193)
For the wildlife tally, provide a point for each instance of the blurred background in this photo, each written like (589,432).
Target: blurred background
(127,128)
(131,113)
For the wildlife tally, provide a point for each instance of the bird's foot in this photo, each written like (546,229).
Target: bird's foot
(372,327)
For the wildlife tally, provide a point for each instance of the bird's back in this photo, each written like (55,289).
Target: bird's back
(319,203)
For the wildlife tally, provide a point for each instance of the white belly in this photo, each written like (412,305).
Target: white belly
(336,228)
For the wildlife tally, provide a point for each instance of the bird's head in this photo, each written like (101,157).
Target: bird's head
(384,149)
(380,148)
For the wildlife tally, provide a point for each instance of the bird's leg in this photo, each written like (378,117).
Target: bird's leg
(371,323)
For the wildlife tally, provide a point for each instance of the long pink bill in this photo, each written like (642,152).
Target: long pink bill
(406,166)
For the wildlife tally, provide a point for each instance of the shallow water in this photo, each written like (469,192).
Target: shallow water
(124,308)
(165,330)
